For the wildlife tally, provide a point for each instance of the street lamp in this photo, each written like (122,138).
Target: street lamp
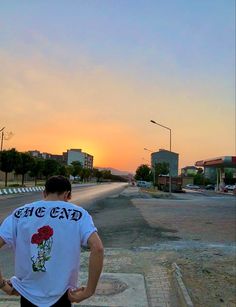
(154,122)
(2,130)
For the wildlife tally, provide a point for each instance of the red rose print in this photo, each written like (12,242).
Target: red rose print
(37,239)
(43,238)
(46,232)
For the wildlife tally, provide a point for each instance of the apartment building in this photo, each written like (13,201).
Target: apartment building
(170,157)
(77,155)
(67,157)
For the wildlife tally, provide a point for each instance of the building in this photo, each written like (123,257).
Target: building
(67,157)
(217,167)
(189,171)
(58,158)
(88,161)
(35,153)
(77,155)
(46,155)
(170,157)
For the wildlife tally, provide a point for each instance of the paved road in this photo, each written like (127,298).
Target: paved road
(141,220)
(83,195)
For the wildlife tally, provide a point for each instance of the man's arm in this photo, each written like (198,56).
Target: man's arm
(95,269)
(4,285)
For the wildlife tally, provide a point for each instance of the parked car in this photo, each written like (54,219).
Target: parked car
(192,186)
(229,187)
(210,187)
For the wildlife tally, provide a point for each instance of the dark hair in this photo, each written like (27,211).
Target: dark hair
(57,184)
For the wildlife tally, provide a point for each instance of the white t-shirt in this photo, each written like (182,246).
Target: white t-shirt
(46,237)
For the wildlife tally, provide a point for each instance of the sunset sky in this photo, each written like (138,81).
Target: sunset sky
(91,74)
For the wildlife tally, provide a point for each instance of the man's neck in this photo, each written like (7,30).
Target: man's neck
(54,197)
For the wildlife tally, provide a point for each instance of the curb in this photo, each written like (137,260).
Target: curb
(10,191)
(9,298)
(185,299)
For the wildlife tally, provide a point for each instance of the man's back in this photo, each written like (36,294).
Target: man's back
(46,236)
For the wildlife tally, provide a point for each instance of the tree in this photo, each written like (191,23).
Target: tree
(161,168)
(37,169)
(63,170)
(97,174)
(51,167)
(106,174)
(69,169)
(143,172)
(8,161)
(76,168)
(199,179)
(24,164)
(229,176)
(85,174)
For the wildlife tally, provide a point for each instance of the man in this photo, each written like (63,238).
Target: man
(47,236)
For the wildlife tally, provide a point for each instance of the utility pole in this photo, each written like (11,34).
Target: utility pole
(2,136)
(154,122)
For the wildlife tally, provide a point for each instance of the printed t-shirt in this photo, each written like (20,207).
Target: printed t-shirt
(46,237)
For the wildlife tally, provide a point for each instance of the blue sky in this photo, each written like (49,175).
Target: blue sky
(192,34)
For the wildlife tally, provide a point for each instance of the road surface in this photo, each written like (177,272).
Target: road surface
(83,195)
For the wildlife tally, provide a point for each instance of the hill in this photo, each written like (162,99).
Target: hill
(114,171)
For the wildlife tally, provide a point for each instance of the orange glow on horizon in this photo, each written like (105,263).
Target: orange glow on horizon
(108,115)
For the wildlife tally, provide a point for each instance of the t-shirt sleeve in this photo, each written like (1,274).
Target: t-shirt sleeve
(6,230)
(86,228)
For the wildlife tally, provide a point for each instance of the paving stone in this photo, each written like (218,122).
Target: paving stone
(154,279)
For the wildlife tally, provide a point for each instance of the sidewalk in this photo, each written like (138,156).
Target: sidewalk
(130,279)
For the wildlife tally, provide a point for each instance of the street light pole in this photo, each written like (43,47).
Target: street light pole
(154,122)
(2,130)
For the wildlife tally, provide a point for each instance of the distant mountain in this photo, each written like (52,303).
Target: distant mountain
(114,171)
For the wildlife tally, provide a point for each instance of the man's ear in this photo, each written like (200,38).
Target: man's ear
(44,194)
(67,195)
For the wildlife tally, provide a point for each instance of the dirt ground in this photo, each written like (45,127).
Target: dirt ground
(173,234)
(210,276)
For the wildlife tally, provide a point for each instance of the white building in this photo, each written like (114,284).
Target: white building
(77,155)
